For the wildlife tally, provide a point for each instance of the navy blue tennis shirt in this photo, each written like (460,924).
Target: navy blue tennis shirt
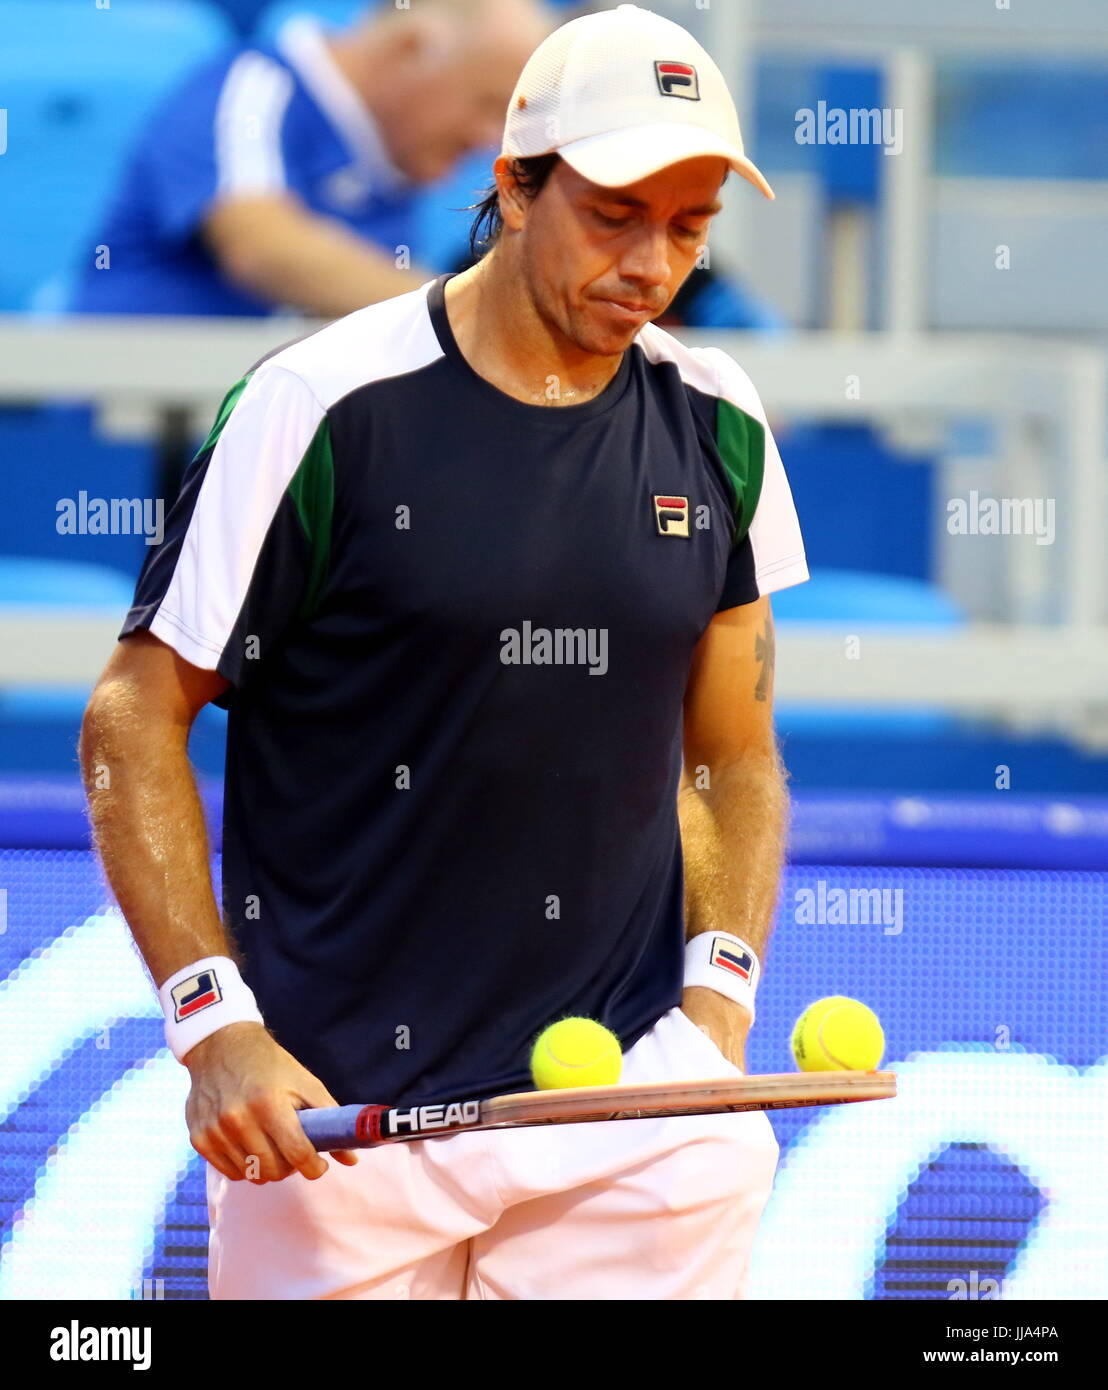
(457,630)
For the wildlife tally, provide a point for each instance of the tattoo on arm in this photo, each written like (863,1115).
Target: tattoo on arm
(764,653)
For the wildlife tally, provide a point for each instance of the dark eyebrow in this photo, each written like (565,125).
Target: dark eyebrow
(626,201)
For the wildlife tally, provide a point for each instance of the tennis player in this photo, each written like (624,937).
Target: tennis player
(482,575)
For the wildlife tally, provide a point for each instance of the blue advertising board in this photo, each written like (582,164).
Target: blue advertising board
(984,1179)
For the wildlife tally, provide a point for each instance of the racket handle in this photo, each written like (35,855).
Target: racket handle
(334,1127)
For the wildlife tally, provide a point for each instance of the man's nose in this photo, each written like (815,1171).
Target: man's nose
(646,260)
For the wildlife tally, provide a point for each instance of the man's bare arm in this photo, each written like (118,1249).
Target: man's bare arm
(733,802)
(276,248)
(146,811)
(149,827)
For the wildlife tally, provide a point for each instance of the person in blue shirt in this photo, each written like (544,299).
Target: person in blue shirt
(285,177)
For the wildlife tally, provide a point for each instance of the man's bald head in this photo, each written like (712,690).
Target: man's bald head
(438,75)
(473,20)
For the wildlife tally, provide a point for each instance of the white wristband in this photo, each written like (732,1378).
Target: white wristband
(203,998)
(717,960)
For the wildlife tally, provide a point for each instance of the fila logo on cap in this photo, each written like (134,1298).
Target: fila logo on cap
(672,515)
(677,80)
(194,994)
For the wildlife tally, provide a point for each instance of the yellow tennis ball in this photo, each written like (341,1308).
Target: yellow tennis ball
(576,1052)
(838,1034)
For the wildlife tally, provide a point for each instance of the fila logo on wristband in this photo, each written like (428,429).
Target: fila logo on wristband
(719,961)
(735,958)
(196,993)
(203,998)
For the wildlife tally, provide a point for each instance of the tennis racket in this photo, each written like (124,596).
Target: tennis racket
(366,1126)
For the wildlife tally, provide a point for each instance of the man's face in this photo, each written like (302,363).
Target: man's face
(602,262)
(454,108)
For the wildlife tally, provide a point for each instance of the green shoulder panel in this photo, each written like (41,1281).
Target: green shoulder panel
(312,492)
(230,400)
(742,446)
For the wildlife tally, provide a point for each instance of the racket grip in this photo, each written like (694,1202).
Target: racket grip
(333,1127)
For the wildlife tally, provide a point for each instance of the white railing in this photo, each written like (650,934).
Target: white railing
(1045,666)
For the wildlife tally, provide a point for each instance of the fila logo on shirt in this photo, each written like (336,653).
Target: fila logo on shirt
(196,993)
(732,958)
(677,80)
(672,515)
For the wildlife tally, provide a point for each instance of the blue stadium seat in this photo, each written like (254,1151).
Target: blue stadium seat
(76,83)
(39,725)
(1001,119)
(62,584)
(850,600)
(53,584)
(858,596)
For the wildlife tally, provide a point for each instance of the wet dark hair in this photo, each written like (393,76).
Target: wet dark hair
(531,174)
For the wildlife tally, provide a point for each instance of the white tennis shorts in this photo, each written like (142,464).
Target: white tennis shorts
(633,1209)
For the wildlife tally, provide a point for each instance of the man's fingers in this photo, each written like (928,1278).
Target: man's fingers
(264,1143)
(219,1161)
(262,1160)
(316,1096)
(210,1148)
(294,1145)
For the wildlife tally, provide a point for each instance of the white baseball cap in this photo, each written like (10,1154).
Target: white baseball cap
(622,94)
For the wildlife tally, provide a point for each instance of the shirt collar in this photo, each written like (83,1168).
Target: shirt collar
(302,44)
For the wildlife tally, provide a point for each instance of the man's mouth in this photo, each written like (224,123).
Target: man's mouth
(630,308)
